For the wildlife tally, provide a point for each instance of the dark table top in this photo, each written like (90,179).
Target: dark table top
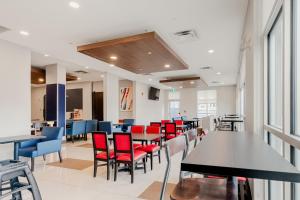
(20,138)
(233,117)
(241,155)
(140,137)
(232,120)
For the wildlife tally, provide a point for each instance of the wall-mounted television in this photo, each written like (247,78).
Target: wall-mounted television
(154,93)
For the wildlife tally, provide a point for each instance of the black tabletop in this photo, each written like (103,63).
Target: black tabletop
(242,155)
(232,120)
(20,138)
(140,137)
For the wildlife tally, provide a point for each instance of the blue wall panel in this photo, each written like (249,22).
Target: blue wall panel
(51,102)
(61,121)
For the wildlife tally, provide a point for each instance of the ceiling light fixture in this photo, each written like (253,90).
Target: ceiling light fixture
(167,66)
(86,67)
(102,75)
(46,55)
(25,33)
(149,52)
(180,87)
(192,82)
(218,73)
(211,51)
(74,4)
(150,79)
(41,80)
(113,57)
(111,65)
(78,78)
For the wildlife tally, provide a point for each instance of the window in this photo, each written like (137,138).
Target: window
(275,94)
(174,103)
(207,103)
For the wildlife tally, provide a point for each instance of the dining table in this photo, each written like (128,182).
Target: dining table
(16,140)
(232,121)
(140,137)
(239,155)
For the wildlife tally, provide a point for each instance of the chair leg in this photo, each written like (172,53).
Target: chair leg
(60,157)
(108,170)
(159,157)
(72,138)
(44,157)
(116,171)
(95,168)
(132,172)
(32,164)
(151,161)
(145,168)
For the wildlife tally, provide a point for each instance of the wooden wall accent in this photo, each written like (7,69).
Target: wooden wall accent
(142,54)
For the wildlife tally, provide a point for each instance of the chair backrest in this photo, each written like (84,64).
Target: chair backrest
(170,129)
(138,129)
(153,130)
(53,133)
(172,147)
(191,136)
(91,126)
(129,122)
(164,121)
(178,122)
(176,118)
(123,144)
(78,127)
(100,142)
(158,124)
(105,126)
(184,118)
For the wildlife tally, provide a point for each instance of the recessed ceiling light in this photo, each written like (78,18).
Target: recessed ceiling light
(86,67)
(25,33)
(140,69)
(180,87)
(211,51)
(111,65)
(46,55)
(167,66)
(150,79)
(78,78)
(149,52)
(102,75)
(192,82)
(74,4)
(218,73)
(113,57)
(41,80)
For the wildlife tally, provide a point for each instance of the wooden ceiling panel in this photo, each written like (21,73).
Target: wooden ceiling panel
(38,76)
(184,82)
(142,54)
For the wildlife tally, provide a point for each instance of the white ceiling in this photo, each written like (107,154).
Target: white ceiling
(56,29)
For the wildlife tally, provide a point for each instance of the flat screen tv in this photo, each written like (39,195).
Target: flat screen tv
(154,93)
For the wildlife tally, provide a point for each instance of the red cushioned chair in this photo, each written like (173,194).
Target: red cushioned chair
(102,151)
(164,121)
(151,149)
(157,124)
(137,129)
(170,131)
(126,154)
(180,124)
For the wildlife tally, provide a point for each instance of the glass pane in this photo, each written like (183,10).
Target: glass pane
(297,163)
(174,95)
(174,108)
(275,73)
(206,103)
(296,57)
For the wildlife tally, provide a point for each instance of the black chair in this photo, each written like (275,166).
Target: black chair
(194,188)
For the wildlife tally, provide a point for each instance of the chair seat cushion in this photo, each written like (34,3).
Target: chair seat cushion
(157,140)
(127,157)
(150,148)
(169,137)
(204,188)
(103,155)
(137,146)
(28,152)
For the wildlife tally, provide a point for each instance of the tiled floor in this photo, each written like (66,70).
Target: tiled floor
(57,183)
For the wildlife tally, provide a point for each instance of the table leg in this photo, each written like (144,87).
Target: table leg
(16,150)
(232,126)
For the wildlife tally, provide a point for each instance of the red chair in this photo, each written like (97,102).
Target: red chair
(157,124)
(102,151)
(137,129)
(179,125)
(170,131)
(164,121)
(151,149)
(126,154)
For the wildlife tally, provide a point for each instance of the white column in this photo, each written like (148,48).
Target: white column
(111,97)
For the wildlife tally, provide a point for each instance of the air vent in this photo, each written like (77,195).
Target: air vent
(3,29)
(206,68)
(216,82)
(81,72)
(187,35)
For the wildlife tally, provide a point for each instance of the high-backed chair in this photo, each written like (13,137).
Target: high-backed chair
(170,131)
(77,128)
(50,144)
(91,126)
(102,152)
(137,129)
(127,123)
(125,153)
(194,188)
(105,126)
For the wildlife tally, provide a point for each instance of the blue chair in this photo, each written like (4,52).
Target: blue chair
(127,124)
(76,129)
(91,126)
(106,126)
(50,144)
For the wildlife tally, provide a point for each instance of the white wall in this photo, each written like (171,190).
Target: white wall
(37,102)
(15,65)
(125,114)
(226,100)
(145,110)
